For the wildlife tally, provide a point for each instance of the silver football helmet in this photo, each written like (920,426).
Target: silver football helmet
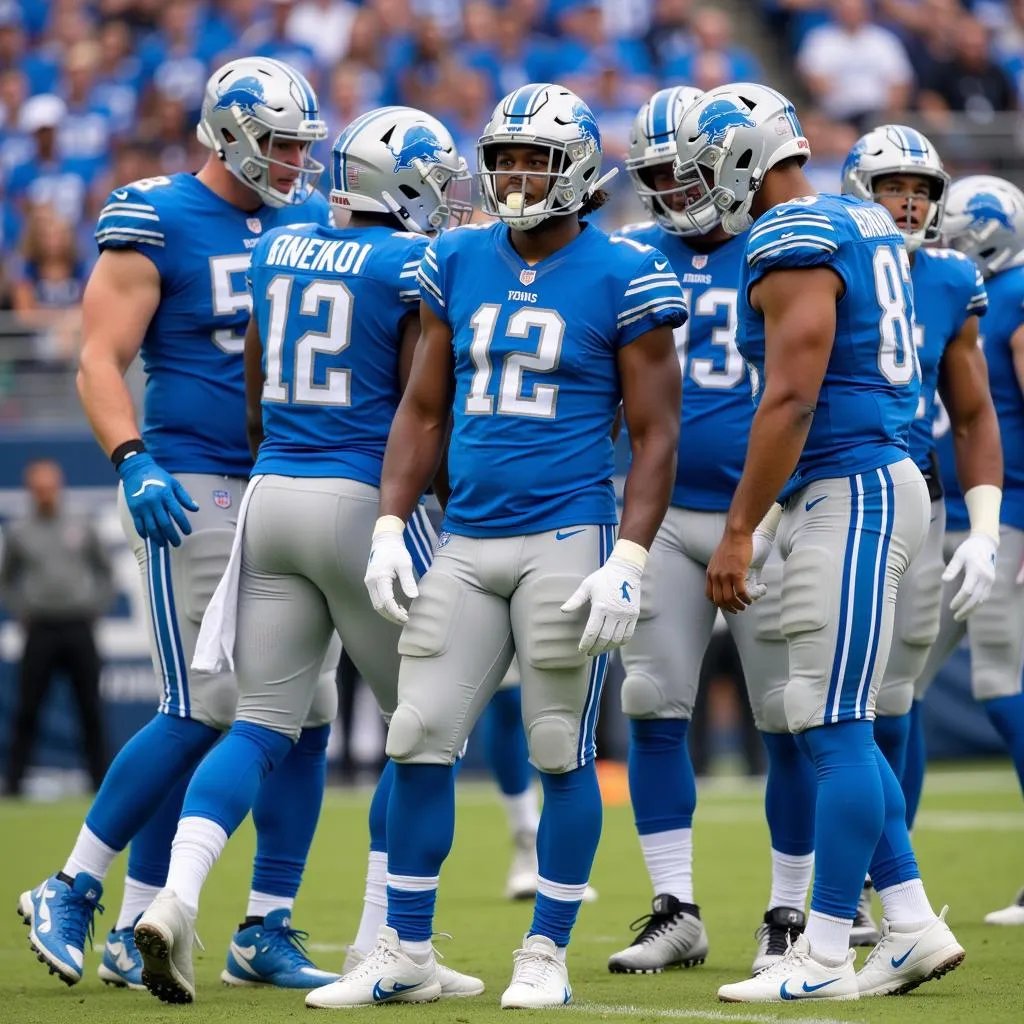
(985,220)
(550,117)
(898,149)
(248,105)
(403,162)
(727,142)
(652,143)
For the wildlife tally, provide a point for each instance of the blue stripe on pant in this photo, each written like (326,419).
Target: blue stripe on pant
(863,594)
(420,540)
(586,748)
(170,651)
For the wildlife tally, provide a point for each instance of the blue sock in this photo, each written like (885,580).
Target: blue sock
(506,742)
(790,795)
(662,786)
(849,812)
(892,734)
(379,809)
(421,826)
(893,861)
(149,855)
(225,785)
(912,779)
(570,829)
(1007,715)
(286,813)
(139,778)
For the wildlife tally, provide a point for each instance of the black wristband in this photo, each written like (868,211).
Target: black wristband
(122,451)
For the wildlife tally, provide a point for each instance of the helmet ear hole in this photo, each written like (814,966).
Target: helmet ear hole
(744,160)
(408,191)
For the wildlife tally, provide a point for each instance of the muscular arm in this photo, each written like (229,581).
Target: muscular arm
(120,300)
(651,397)
(799,308)
(418,432)
(1017,354)
(963,385)
(254,381)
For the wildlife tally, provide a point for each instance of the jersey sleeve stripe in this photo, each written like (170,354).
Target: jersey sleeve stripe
(793,218)
(140,232)
(429,285)
(114,235)
(668,276)
(656,307)
(129,210)
(791,224)
(649,287)
(667,297)
(789,244)
(430,258)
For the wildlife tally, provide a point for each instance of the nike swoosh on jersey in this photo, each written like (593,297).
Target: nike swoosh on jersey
(806,988)
(148,483)
(560,535)
(121,194)
(817,501)
(380,994)
(660,266)
(903,959)
(120,954)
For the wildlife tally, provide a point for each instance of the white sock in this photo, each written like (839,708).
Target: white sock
(375,901)
(418,951)
(137,897)
(523,811)
(791,878)
(829,937)
(197,845)
(906,903)
(262,903)
(669,860)
(90,855)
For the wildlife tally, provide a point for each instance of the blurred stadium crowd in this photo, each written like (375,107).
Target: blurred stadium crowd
(96,93)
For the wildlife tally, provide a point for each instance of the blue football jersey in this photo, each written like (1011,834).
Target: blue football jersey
(1005,315)
(717,397)
(330,303)
(869,393)
(948,288)
(535,353)
(194,418)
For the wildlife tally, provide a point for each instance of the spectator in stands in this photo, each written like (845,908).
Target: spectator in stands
(269,37)
(417,67)
(15,145)
(323,26)
(56,579)
(175,59)
(87,128)
(713,40)
(934,44)
(855,70)
(15,52)
(831,142)
(670,37)
(120,75)
(971,83)
(521,53)
(366,49)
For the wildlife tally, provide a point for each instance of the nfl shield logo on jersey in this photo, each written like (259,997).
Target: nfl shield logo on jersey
(254,224)
(527,276)
(444,538)
(222,499)
(700,261)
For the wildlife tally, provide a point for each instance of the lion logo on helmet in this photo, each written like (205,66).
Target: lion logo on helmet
(246,94)
(718,118)
(418,143)
(986,206)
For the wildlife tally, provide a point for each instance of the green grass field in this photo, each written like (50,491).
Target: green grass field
(970,840)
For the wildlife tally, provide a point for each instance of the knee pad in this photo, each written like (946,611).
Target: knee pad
(642,697)
(432,617)
(808,596)
(411,741)
(919,610)
(552,637)
(552,744)
(767,612)
(203,558)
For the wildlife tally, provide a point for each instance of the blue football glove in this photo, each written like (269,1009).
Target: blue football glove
(156,500)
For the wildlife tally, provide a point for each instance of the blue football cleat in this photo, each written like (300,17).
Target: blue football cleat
(122,961)
(59,915)
(272,953)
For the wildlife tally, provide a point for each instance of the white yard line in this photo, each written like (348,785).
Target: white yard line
(648,1013)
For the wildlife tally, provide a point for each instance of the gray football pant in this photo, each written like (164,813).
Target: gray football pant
(995,631)
(916,621)
(845,544)
(178,584)
(304,552)
(663,660)
(479,600)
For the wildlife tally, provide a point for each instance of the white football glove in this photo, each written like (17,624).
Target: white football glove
(614,595)
(976,558)
(389,558)
(764,540)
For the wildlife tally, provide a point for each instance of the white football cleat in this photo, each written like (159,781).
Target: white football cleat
(385,975)
(905,958)
(798,975)
(165,935)
(521,883)
(539,977)
(453,984)
(1011,915)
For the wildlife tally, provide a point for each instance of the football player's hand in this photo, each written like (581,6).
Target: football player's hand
(976,559)
(614,595)
(389,557)
(762,547)
(727,572)
(156,501)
